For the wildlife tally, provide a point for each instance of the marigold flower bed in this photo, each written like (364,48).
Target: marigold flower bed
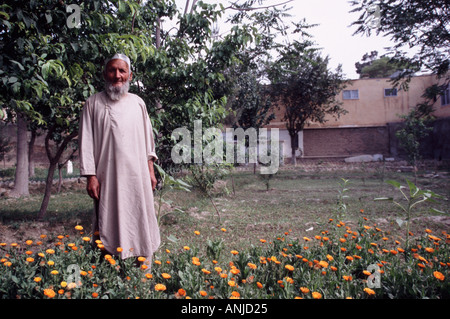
(339,262)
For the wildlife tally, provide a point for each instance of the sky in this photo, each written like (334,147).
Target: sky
(333,33)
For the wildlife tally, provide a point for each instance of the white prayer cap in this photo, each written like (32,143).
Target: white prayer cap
(120,56)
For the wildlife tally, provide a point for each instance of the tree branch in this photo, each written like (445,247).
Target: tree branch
(258,8)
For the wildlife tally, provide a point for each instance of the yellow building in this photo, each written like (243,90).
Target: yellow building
(373,108)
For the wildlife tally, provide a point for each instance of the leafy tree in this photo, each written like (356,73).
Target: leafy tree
(373,67)
(416,128)
(50,66)
(421,25)
(302,84)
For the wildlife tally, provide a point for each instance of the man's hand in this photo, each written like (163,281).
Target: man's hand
(93,187)
(152,174)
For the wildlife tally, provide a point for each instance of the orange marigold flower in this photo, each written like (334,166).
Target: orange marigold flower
(197,232)
(50,293)
(438,275)
(347,278)
(259,285)
(289,267)
(166,275)
(160,287)
(304,290)
(206,271)
(316,295)
(234,252)
(94,295)
(251,266)
(181,292)
(369,291)
(203,293)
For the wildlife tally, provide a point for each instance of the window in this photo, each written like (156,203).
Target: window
(445,98)
(390,92)
(350,95)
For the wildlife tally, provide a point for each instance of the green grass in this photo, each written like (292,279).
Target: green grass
(299,203)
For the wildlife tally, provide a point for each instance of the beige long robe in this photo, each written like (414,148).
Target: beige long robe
(116,142)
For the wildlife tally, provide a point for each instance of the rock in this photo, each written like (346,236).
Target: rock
(359,159)
(378,157)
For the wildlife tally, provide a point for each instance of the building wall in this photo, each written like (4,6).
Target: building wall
(365,128)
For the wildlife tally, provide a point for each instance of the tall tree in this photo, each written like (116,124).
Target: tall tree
(305,88)
(411,24)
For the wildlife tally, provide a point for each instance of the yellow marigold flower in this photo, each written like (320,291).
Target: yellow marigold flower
(231,283)
(86,239)
(54,272)
(79,227)
(29,242)
(37,279)
(218,269)
(63,284)
(223,229)
(50,293)
(160,287)
(50,262)
(438,275)
(141,259)
(206,271)
(369,291)
(186,248)
(316,295)
(119,249)
(50,251)
(306,239)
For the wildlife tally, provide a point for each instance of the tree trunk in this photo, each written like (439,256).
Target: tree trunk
(31,154)
(54,160)
(293,148)
(48,190)
(21,175)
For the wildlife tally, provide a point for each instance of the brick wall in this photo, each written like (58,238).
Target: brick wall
(346,141)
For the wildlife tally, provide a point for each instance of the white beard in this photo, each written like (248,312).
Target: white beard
(116,92)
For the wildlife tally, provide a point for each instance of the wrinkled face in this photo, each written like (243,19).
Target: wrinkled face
(117,73)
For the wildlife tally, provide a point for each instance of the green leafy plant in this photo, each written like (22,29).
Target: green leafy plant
(167,183)
(413,196)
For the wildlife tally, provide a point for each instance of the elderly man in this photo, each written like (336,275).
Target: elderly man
(117,151)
